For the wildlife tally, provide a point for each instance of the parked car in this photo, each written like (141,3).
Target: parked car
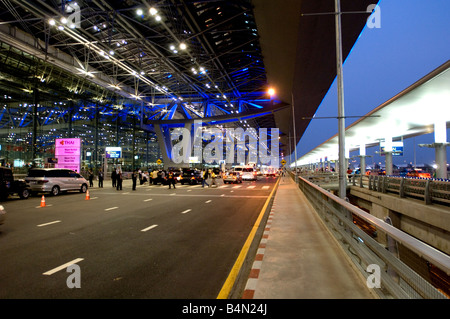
(191,177)
(55,180)
(9,186)
(233,178)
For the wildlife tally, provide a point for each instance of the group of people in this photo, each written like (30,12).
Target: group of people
(206,174)
(100,178)
(155,177)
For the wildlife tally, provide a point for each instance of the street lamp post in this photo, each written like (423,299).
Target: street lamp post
(341,113)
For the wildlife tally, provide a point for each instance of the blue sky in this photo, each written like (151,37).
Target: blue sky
(413,40)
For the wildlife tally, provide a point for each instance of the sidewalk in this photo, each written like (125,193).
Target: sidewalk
(297,257)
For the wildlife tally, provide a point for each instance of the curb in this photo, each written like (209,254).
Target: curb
(252,281)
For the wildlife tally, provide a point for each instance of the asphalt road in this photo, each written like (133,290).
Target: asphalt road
(149,243)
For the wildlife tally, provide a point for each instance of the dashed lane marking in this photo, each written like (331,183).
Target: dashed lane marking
(52,271)
(49,223)
(148,228)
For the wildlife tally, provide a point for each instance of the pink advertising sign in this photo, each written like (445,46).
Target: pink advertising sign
(68,153)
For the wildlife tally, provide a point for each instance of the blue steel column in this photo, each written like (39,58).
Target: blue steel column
(165,145)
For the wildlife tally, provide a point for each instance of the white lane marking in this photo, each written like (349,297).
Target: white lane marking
(46,205)
(173,194)
(189,190)
(253,186)
(186,211)
(50,223)
(223,186)
(111,208)
(150,227)
(208,201)
(52,271)
(237,186)
(147,200)
(265,187)
(222,195)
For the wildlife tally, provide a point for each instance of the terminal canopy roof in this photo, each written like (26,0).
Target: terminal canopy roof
(412,112)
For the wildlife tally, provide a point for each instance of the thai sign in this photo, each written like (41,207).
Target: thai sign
(68,153)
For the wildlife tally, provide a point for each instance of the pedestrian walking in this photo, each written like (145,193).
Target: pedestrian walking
(171,179)
(114,177)
(134,179)
(100,178)
(91,178)
(119,181)
(213,179)
(205,177)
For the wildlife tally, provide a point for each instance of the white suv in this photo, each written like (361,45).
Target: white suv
(55,180)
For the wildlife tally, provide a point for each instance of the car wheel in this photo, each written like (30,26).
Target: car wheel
(55,190)
(24,194)
(83,188)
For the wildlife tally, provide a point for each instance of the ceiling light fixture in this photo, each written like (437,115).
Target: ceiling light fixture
(153,11)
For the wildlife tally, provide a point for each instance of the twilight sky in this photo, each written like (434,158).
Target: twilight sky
(413,40)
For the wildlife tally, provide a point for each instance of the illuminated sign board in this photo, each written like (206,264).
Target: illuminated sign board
(68,153)
(113,152)
(397,148)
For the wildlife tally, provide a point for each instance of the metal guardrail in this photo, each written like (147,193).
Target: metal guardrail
(428,189)
(397,280)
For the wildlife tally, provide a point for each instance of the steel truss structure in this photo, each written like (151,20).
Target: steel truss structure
(109,67)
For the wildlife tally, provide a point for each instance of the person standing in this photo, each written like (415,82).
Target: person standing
(100,178)
(134,179)
(171,179)
(119,180)
(163,177)
(155,177)
(91,178)
(114,177)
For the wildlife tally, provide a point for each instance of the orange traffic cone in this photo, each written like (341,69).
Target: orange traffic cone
(87,195)
(43,201)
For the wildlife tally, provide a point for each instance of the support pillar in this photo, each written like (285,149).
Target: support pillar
(165,145)
(388,155)
(35,122)
(388,163)
(440,147)
(97,114)
(341,112)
